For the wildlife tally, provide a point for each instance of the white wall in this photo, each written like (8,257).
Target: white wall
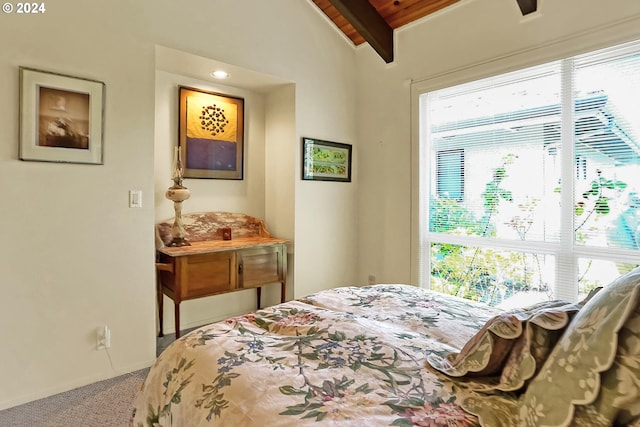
(74,256)
(326,214)
(470,40)
(280,175)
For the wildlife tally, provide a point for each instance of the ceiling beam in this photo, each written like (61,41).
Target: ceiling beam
(368,22)
(527,6)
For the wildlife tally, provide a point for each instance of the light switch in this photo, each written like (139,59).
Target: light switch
(135,198)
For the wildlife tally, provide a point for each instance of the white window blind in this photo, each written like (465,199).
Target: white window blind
(532,180)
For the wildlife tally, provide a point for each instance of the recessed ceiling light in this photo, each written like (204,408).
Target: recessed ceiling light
(219,74)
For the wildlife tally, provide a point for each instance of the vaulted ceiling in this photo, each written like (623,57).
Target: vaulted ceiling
(373,21)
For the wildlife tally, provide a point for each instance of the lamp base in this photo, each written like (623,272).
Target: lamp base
(178,241)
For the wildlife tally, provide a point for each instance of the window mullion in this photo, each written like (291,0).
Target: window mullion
(424,274)
(567,271)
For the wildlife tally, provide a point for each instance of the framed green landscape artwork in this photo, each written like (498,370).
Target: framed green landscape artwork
(325,160)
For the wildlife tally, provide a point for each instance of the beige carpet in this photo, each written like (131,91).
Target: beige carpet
(103,404)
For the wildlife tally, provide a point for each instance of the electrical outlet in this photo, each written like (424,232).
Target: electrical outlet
(103,337)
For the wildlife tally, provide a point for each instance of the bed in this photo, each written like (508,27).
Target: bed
(398,355)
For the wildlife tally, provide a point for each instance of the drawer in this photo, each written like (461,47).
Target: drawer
(207,274)
(260,266)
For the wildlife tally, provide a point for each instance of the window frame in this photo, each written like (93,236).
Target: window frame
(565,251)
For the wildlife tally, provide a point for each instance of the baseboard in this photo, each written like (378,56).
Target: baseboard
(203,322)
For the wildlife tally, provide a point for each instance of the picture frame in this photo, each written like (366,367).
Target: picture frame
(211,134)
(325,160)
(61,118)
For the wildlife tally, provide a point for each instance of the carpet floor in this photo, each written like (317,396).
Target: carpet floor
(103,404)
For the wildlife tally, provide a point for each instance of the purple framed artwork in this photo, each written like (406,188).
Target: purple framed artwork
(211,133)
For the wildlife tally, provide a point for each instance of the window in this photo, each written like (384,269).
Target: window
(530,180)
(450,174)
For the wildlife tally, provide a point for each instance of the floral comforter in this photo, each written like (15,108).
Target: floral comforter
(347,356)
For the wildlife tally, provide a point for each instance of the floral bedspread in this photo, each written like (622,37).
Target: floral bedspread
(347,356)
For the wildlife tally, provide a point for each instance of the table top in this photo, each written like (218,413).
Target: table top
(209,246)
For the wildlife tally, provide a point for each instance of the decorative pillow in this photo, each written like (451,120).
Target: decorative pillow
(541,333)
(530,351)
(618,402)
(512,345)
(484,353)
(588,369)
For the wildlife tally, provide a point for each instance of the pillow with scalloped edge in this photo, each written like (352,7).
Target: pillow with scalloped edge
(541,333)
(510,347)
(592,376)
(618,402)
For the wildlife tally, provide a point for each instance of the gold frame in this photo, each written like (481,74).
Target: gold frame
(211,132)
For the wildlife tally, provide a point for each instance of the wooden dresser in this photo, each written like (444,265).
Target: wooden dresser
(211,265)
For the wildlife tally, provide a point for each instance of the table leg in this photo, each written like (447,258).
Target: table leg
(259,290)
(160,297)
(176,309)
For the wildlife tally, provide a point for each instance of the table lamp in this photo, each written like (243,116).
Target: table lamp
(177,193)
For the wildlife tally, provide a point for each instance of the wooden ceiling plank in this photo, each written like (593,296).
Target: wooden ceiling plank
(403,16)
(368,22)
(527,6)
(340,22)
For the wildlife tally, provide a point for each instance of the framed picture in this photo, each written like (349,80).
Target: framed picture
(325,160)
(61,118)
(211,133)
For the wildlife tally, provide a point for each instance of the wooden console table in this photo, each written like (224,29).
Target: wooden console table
(211,265)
